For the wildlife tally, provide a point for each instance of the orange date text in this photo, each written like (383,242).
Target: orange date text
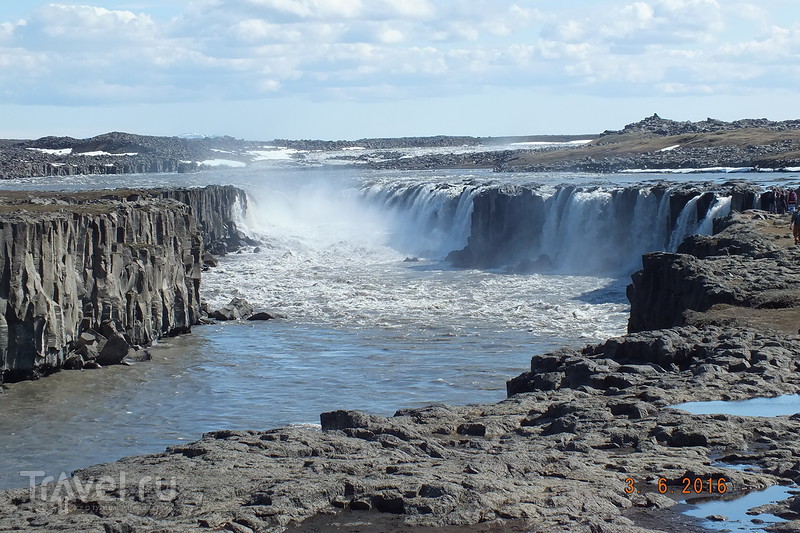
(687,485)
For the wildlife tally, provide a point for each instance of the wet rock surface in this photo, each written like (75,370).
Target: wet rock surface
(586,442)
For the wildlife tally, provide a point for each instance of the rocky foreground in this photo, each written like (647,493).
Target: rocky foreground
(586,441)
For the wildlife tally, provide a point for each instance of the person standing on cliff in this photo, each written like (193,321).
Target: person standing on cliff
(791,199)
(796,226)
(780,201)
(768,201)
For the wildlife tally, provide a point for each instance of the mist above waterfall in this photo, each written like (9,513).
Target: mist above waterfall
(564,229)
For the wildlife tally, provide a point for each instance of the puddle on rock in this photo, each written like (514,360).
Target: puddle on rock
(787,404)
(735,510)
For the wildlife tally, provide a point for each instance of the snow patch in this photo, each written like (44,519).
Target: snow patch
(670,148)
(559,143)
(222,163)
(53,151)
(100,152)
(723,170)
(274,153)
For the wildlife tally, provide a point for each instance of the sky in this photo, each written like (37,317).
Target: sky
(348,69)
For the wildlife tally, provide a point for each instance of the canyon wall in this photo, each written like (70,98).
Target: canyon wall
(84,277)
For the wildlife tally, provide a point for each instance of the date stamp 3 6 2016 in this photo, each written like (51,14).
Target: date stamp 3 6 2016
(689,486)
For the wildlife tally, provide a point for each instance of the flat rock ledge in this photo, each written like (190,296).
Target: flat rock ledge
(584,443)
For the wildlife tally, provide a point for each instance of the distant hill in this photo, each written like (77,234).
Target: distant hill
(652,143)
(656,143)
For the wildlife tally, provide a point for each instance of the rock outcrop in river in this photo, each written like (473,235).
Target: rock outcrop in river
(87,277)
(586,442)
(736,268)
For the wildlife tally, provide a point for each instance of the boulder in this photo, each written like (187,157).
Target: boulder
(236,309)
(209,260)
(114,351)
(265,315)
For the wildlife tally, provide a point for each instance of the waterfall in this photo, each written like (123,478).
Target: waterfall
(581,230)
(686,224)
(721,208)
(565,229)
(428,219)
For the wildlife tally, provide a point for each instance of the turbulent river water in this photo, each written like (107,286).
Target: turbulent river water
(366,327)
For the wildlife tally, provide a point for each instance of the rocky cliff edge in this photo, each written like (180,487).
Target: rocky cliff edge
(85,278)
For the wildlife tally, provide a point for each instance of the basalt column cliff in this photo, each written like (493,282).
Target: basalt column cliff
(83,278)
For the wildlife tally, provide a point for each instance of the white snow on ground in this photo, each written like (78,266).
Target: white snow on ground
(688,170)
(222,163)
(53,151)
(100,152)
(670,148)
(542,143)
(274,153)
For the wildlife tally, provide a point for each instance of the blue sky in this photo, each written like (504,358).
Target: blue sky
(345,69)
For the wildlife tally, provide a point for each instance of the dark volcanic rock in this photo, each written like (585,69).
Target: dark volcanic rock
(264,315)
(114,351)
(735,267)
(135,264)
(555,460)
(90,274)
(114,153)
(236,309)
(661,126)
(659,144)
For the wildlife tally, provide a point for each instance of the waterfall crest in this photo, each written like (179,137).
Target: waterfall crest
(564,229)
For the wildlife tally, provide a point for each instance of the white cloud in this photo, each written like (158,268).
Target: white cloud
(7,29)
(316,9)
(232,49)
(88,22)
(391,36)
(415,9)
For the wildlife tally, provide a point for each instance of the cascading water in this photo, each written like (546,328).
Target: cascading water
(564,229)
(685,225)
(721,208)
(429,220)
(577,230)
